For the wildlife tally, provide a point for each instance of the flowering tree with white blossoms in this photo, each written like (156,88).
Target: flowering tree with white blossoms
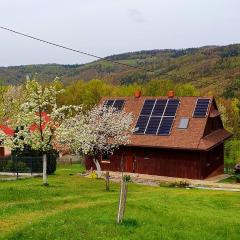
(11,98)
(100,131)
(38,119)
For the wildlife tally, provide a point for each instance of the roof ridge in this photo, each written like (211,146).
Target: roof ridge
(115,97)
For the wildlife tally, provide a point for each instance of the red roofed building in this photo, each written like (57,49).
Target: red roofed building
(10,132)
(174,136)
(7,130)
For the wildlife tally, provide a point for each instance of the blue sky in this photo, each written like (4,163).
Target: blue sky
(106,27)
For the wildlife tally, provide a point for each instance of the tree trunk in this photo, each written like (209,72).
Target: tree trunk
(45,182)
(98,167)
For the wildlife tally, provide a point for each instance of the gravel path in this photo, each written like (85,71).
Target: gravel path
(153,180)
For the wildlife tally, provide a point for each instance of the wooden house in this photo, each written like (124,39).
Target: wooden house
(174,136)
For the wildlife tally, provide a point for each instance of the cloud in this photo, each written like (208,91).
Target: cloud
(136,15)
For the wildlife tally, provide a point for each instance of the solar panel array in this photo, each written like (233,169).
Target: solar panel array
(157,116)
(201,108)
(116,103)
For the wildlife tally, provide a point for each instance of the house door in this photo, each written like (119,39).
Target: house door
(130,164)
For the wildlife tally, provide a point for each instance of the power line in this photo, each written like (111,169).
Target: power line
(85,53)
(71,49)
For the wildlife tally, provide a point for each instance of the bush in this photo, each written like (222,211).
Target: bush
(232,151)
(52,161)
(237,168)
(9,166)
(52,156)
(181,183)
(93,175)
(22,167)
(237,177)
(14,166)
(126,178)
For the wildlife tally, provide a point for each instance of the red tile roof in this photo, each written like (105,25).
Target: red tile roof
(191,138)
(7,130)
(10,132)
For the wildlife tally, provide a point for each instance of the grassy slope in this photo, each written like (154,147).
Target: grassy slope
(78,208)
(206,68)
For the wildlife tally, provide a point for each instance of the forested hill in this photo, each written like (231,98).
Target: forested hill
(210,68)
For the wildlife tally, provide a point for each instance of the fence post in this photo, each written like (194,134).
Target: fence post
(45,183)
(17,166)
(31,166)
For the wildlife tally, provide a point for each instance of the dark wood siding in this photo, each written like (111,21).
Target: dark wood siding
(166,162)
(213,161)
(212,125)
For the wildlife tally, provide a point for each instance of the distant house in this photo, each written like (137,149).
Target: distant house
(174,136)
(10,132)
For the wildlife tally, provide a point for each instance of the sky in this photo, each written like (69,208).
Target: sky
(107,27)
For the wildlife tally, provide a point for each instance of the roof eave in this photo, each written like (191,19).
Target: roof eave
(217,143)
(163,147)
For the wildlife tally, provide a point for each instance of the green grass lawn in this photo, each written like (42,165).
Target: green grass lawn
(73,207)
(231,179)
(6,176)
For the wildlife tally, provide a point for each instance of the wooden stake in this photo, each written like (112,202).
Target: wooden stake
(122,201)
(107,181)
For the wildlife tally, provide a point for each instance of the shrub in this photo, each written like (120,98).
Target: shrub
(9,166)
(126,178)
(52,156)
(237,168)
(237,176)
(22,167)
(93,175)
(52,161)
(180,183)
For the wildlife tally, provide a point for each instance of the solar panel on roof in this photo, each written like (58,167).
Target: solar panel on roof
(159,107)
(147,107)
(116,103)
(108,103)
(157,116)
(171,107)
(201,108)
(153,125)
(165,126)
(141,124)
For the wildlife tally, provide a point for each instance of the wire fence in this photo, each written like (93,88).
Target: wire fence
(21,164)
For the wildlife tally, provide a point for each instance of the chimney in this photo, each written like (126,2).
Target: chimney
(170,94)
(137,94)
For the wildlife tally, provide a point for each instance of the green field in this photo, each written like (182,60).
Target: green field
(73,207)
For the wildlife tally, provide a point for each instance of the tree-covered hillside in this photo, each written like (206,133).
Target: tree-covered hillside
(209,68)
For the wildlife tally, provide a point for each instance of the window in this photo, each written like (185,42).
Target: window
(146,155)
(105,158)
(183,124)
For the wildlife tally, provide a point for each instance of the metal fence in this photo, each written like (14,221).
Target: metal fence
(21,164)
